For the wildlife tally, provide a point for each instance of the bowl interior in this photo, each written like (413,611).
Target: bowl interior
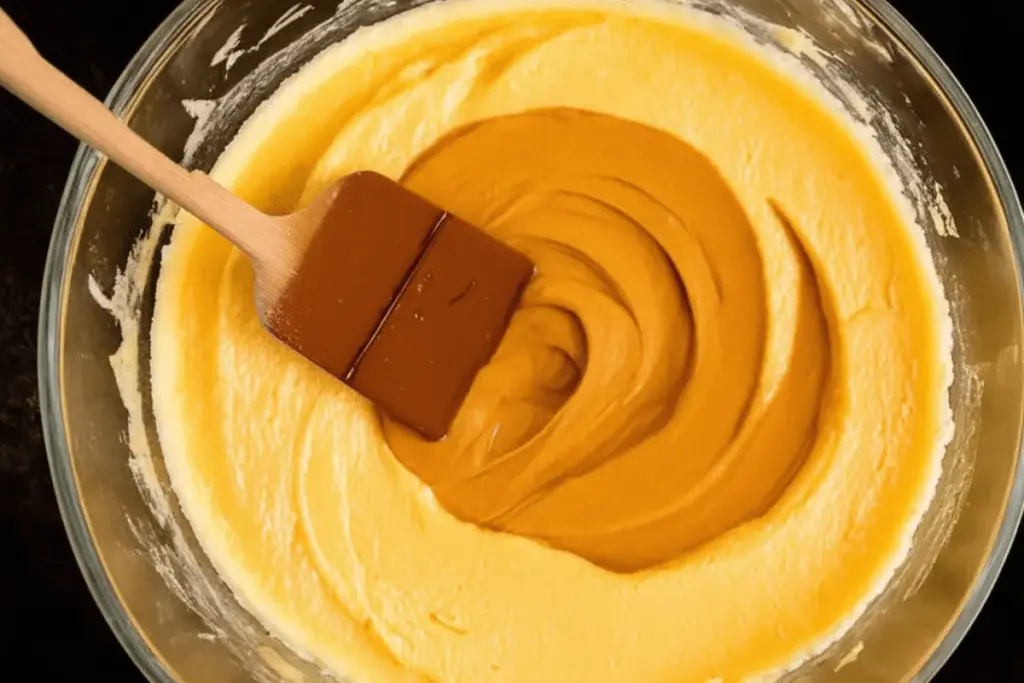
(154,584)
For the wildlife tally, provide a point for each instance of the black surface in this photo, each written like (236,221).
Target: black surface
(46,612)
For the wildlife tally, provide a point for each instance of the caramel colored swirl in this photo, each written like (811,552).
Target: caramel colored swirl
(617,419)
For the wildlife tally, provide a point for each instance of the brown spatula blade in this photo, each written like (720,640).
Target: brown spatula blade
(445,325)
(401,300)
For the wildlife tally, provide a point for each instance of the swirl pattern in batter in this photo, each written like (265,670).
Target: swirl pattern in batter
(645,323)
(734,345)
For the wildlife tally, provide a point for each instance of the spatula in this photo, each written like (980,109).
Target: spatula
(382,289)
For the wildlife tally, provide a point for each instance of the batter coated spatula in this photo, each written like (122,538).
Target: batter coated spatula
(396,297)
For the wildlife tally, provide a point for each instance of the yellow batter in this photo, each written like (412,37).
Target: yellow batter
(709,432)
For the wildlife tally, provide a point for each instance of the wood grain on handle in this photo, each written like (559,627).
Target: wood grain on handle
(25,73)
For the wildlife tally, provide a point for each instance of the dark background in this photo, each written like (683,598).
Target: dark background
(46,613)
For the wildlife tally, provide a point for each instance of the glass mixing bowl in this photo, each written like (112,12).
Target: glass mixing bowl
(156,588)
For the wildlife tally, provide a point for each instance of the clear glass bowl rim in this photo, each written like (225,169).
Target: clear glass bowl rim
(76,191)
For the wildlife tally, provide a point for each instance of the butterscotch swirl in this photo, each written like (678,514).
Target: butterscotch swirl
(616,420)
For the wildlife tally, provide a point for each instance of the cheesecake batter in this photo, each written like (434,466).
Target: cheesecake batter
(709,432)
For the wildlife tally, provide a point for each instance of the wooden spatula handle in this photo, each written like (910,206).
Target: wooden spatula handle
(24,72)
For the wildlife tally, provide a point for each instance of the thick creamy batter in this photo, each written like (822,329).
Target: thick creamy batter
(710,429)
